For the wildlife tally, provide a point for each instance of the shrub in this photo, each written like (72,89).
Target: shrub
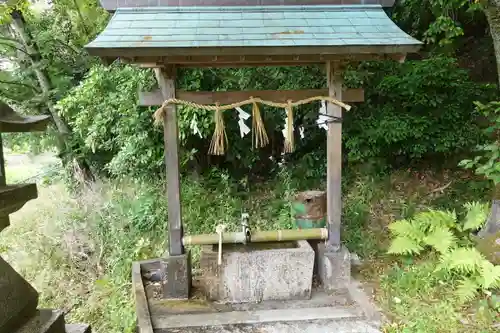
(414,110)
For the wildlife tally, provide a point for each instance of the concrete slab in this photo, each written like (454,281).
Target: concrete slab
(252,317)
(317,326)
(371,311)
(321,306)
(258,272)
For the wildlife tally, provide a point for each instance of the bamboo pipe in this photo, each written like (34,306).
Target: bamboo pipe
(257,236)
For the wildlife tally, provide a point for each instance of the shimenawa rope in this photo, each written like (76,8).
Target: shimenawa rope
(259,138)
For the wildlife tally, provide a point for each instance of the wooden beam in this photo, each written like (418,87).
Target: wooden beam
(166,81)
(2,164)
(155,98)
(4,219)
(155,61)
(325,52)
(334,159)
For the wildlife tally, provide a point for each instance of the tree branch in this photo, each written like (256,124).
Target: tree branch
(9,39)
(15,47)
(21,84)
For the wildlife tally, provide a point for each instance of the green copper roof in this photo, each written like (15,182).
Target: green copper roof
(260,26)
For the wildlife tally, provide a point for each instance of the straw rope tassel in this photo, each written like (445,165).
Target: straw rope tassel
(219,138)
(289,139)
(259,137)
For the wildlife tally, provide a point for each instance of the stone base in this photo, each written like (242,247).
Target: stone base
(18,299)
(323,312)
(45,321)
(176,279)
(333,268)
(258,272)
(4,222)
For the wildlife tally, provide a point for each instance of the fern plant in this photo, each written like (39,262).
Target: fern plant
(442,232)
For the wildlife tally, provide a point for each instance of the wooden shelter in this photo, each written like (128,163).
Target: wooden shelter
(167,34)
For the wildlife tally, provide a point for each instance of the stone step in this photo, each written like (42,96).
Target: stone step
(255,318)
(78,328)
(328,326)
(45,321)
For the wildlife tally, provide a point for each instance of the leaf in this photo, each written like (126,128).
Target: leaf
(467,289)
(441,239)
(464,260)
(404,245)
(406,229)
(434,219)
(490,275)
(477,214)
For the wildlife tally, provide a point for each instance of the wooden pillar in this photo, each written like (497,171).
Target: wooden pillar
(334,158)
(2,164)
(166,81)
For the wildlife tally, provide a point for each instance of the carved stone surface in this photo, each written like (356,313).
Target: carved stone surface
(249,274)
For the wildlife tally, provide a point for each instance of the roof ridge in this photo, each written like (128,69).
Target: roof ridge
(112,5)
(225,9)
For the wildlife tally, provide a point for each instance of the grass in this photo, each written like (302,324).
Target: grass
(421,300)
(78,250)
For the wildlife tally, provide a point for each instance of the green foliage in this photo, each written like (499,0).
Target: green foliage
(467,289)
(442,232)
(413,111)
(462,259)
(57,37)
(430,228)
(400,120)
(475,217)
(442,31)
(437,22)
(108,129)
(487,163)
(422,300)
(441,239)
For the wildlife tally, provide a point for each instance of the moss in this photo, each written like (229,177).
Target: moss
(185,306)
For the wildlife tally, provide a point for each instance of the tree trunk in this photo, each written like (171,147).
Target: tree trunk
(492,12)
(81,169)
